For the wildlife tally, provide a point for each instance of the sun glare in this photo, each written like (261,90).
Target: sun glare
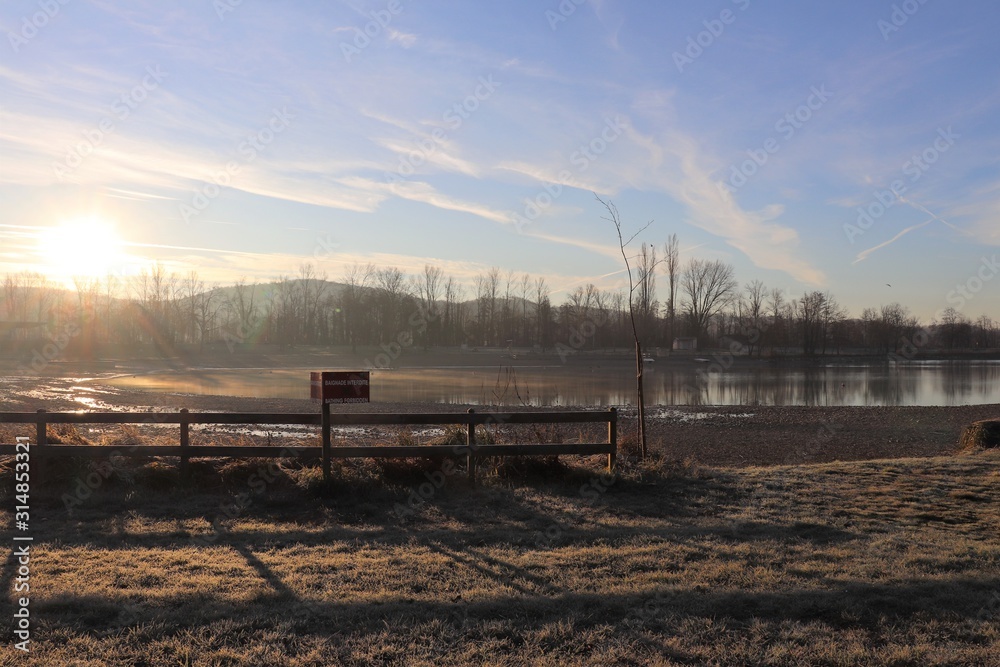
(83,247)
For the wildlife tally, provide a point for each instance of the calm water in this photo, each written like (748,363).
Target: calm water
(915,383)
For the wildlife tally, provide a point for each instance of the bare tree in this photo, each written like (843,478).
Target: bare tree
(87,291)
(954,329)
(645,298)
(894,323)
(618,310)
(832,316)
(808,314)
(492,292)
(191,286)
(671,261)
(430,288)
(285,315)
(16,291)
(709,286)
(524,285)
(601,300)
(487,289)
(869,326)
(156,290)
(985,333)
(752,314)
(483,303)
(312,288)
(578,304)
(356,281)
(542,312)
(776,310)
(454,311)
(507,311)
(392,292)
(111,290)
(244,312)
(429,291)
(615,219)
(206,307)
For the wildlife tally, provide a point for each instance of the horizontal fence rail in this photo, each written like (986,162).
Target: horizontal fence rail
(326,420)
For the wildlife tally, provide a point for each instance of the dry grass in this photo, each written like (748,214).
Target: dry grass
(984,434)
(875,563)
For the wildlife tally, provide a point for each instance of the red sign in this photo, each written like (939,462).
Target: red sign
(340,386)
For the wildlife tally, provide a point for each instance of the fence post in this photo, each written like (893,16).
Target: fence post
(470,440)
(613,438)
(40,438)
(325,421)
(185,441)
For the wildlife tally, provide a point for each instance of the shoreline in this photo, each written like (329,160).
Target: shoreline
(266,356)
(718,435)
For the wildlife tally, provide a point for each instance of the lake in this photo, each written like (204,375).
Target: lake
(613,383)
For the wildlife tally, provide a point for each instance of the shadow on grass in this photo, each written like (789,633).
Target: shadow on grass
(486,542)
(499,571)
(852,606)
(573,503)
(367,491)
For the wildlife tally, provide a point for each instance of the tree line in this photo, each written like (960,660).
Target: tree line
(366,305)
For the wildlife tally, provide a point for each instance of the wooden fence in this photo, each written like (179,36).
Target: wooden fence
(471,450)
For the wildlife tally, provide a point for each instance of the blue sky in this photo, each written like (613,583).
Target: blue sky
(244,138)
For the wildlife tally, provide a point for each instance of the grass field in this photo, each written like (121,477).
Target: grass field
(892,562)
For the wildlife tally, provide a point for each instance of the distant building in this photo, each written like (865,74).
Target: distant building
(685,344)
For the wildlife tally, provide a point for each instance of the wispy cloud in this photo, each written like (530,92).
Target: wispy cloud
(671,161)
(358,122)
(605,249)
(863,255)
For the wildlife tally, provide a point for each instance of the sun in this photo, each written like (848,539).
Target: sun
(87,247)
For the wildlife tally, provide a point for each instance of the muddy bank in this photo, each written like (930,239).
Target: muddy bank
(741,436)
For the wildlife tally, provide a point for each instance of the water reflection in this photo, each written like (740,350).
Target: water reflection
(915,383)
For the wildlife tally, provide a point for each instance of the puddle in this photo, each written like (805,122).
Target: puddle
(680,415)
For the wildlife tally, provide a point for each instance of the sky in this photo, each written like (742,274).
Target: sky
(848,147)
